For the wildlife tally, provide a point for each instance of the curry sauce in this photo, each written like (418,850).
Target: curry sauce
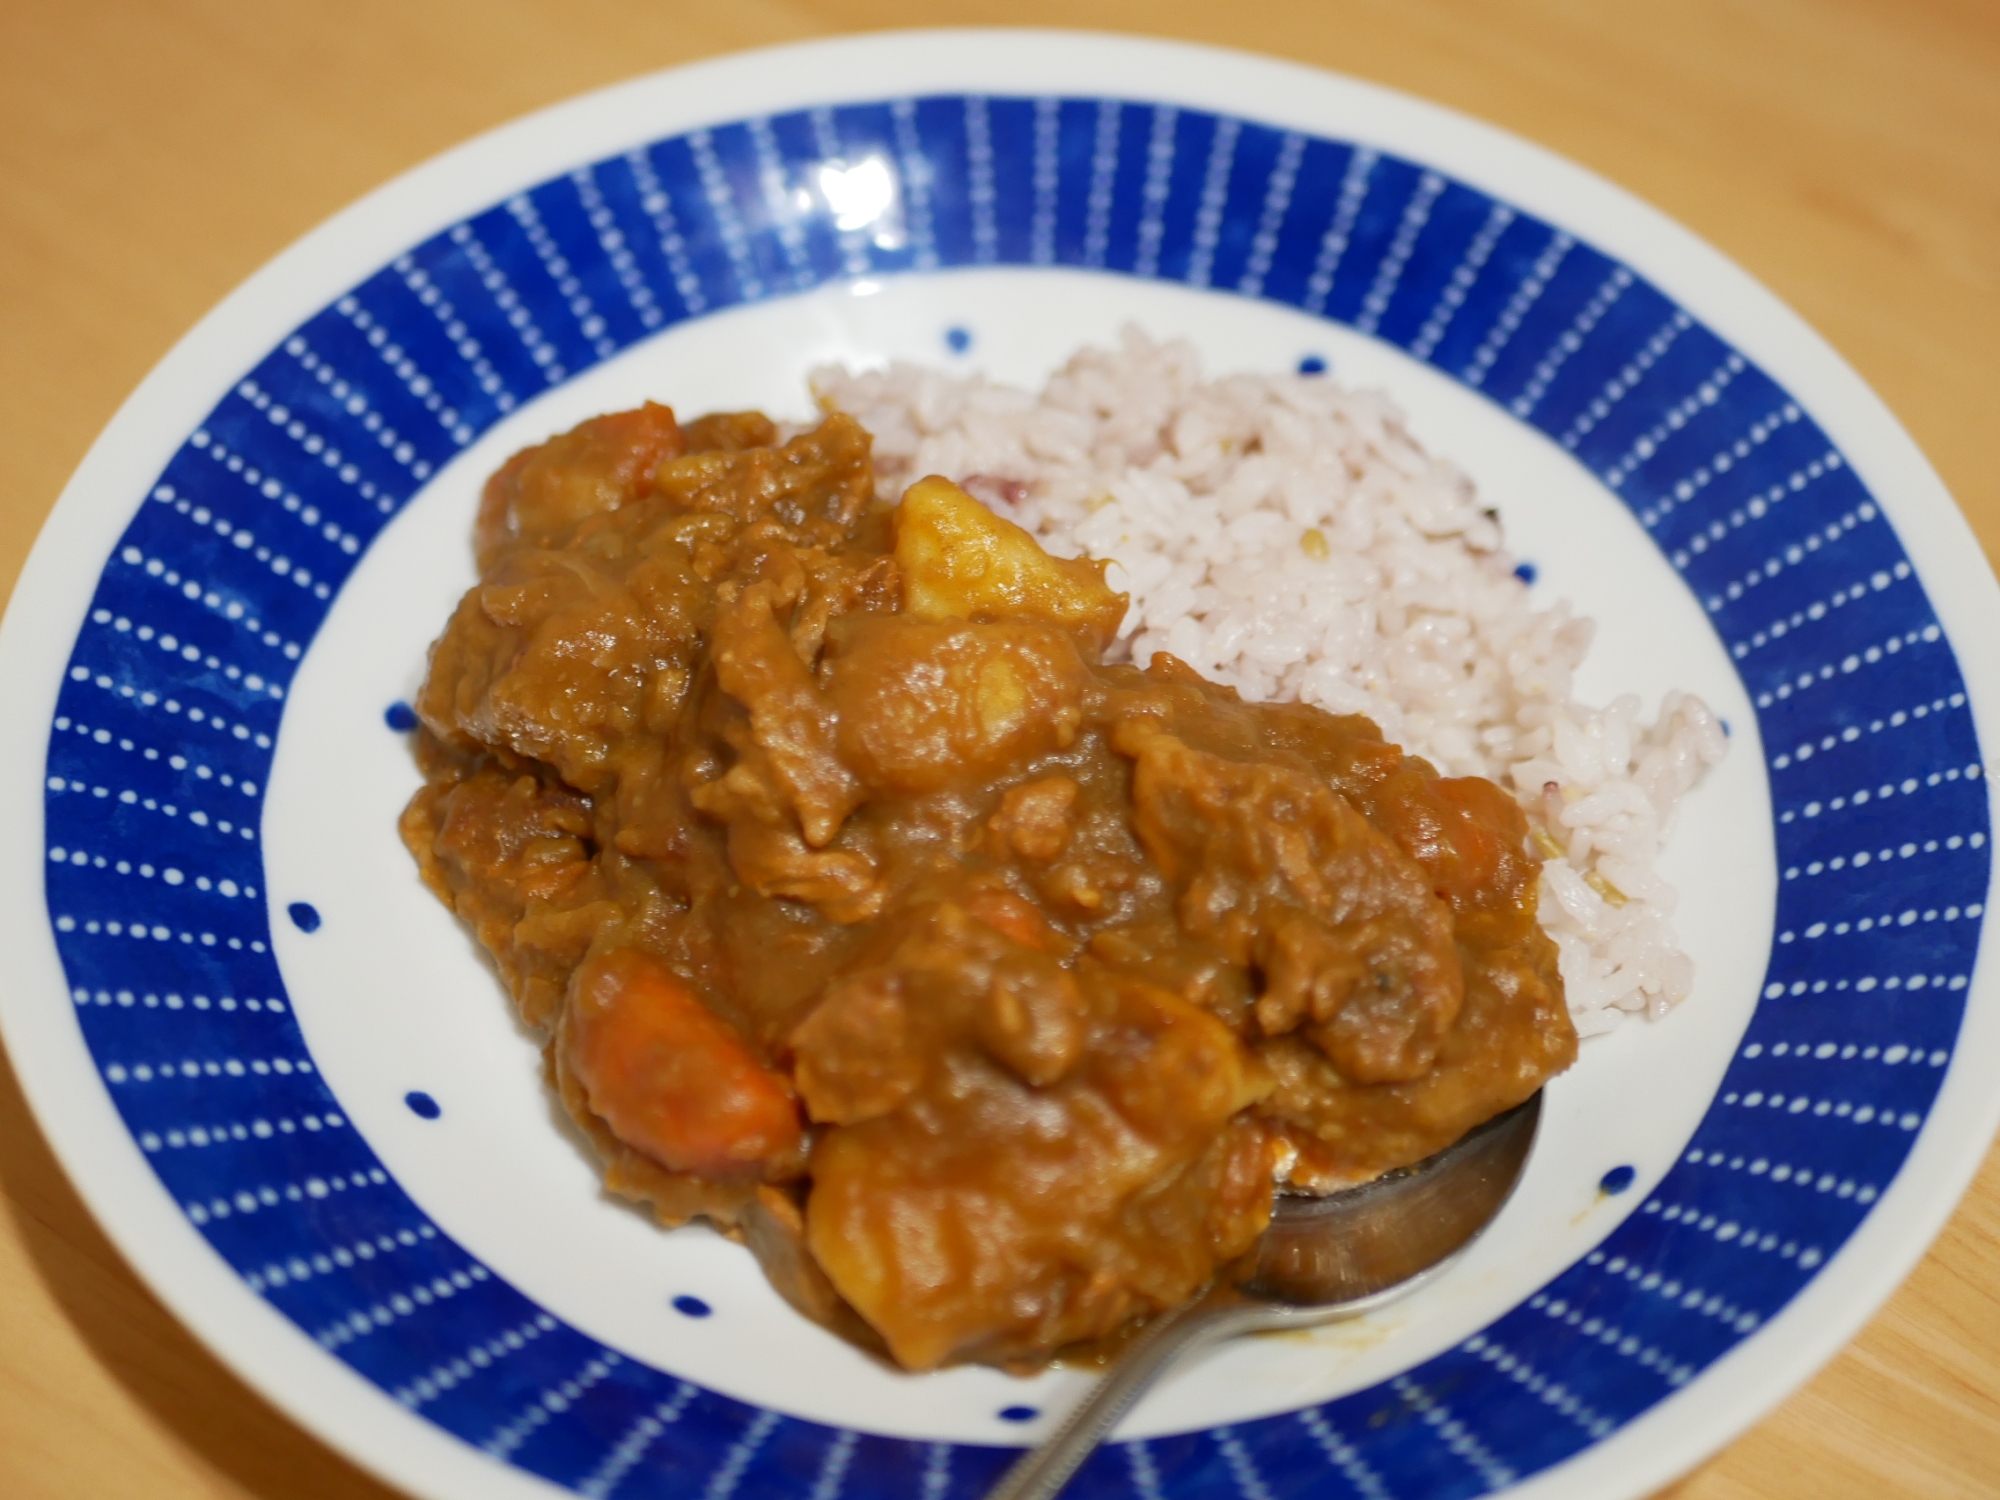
(987,989)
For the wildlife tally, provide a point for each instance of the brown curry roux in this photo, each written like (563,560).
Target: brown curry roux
(985,988)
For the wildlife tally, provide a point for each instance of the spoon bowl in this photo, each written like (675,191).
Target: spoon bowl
(1322,1259)
(1329,1250)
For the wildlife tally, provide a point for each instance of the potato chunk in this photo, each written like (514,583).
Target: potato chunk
(923,704)
(962,562)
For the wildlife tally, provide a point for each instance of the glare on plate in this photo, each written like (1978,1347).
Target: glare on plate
(859,194)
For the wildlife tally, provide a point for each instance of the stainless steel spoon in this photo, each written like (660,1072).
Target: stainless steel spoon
(1322,1259)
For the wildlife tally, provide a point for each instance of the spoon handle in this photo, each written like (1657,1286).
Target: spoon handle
(1041,1473)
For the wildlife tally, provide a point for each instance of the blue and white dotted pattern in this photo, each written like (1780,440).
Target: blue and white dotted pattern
(164,735)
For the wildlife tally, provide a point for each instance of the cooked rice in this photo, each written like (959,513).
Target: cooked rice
(1290,538)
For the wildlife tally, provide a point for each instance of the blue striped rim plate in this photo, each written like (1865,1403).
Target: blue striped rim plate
(288,1088)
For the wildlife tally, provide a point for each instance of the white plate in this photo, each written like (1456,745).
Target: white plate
(285,1082)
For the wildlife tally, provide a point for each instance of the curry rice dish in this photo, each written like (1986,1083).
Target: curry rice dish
(985,988)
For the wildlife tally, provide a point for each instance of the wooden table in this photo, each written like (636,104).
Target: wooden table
(157,151)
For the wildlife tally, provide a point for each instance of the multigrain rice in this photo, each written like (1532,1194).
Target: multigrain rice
(1289,537)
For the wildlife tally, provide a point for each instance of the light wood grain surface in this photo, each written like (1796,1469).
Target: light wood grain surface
(155,152)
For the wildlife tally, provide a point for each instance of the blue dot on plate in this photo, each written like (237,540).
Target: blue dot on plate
(422,1105)
(1526,572)
(1617,1179)
(693,1307)
(304,916)
(958,340)
(1312,364)
(400,716)
(1019,1413)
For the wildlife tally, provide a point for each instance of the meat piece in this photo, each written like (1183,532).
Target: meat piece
(509,852)
(1280,872)
(553,659)
(861,1052)
(791,724)
(818,484)
(1037,820)
(777,862)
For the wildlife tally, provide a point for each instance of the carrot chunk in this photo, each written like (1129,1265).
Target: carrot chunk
(672,1079)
